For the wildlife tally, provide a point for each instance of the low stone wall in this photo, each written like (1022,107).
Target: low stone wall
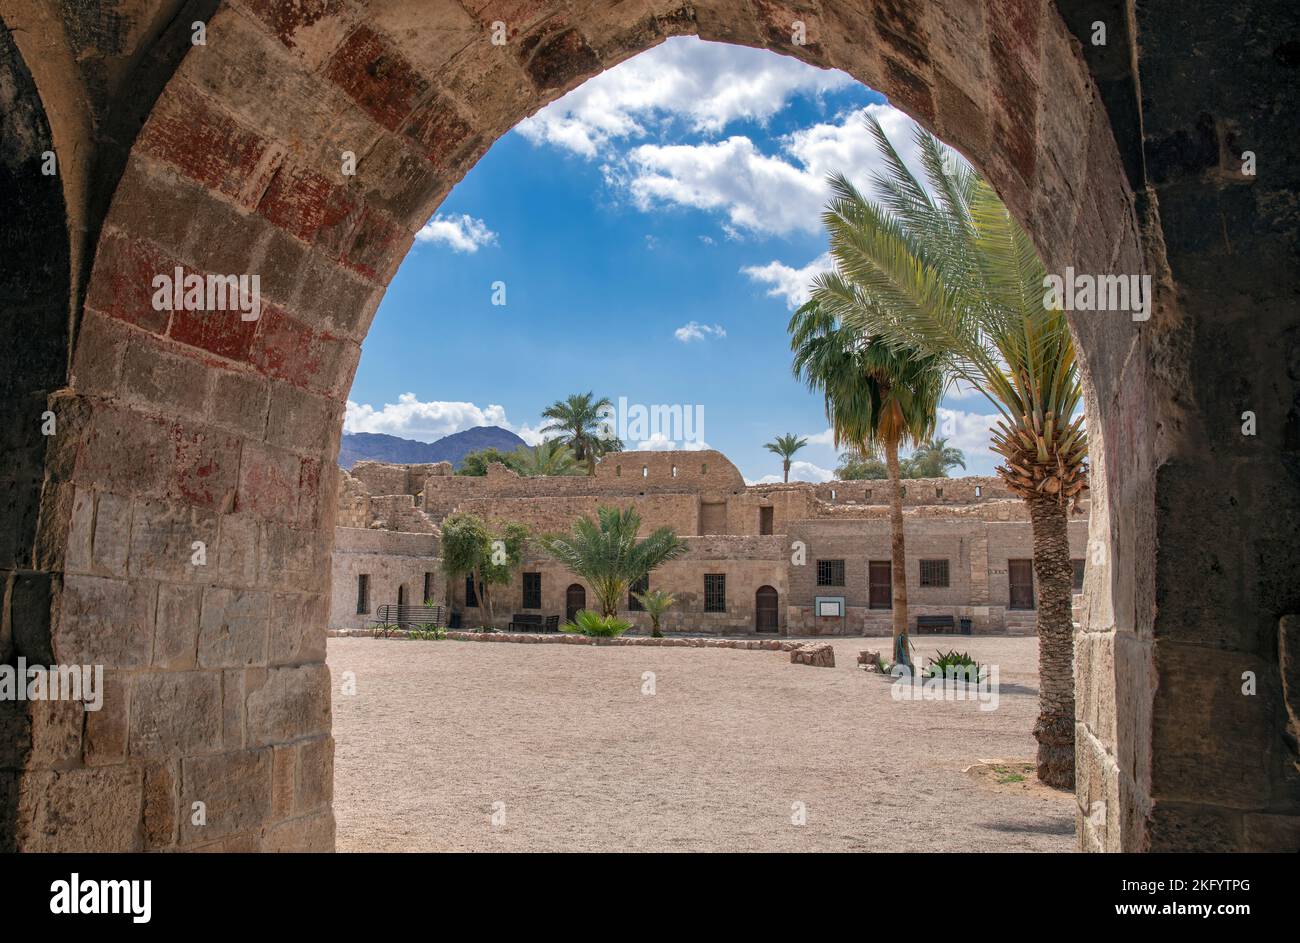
(565,638)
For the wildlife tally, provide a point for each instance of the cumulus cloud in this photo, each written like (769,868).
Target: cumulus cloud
(967,431)
(799,471)
(704,85)
(463,233)
(789,284)
(410,418)
(779,193)
(659,442)
(695,331)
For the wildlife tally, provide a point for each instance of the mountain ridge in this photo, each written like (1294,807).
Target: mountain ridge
(381,447)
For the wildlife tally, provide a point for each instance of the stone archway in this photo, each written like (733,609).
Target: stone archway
(177,429)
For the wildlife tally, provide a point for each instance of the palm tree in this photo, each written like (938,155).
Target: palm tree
(549,457)
(580,423)
(878,398)
(607,555)
(655,602)
(785,446)
(945,269)
(933,459)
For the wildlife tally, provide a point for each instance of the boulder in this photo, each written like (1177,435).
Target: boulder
(817,654)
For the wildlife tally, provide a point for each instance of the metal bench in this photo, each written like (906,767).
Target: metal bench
(407,616)
(529,622)
(935,624)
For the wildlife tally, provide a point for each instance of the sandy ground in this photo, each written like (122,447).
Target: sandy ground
(562,744)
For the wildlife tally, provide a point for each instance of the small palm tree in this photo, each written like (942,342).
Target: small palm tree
(580,423)
(878,398)
(785,446)
(933,459)
(655,602)
(944,268)
(607,554)
(550,457)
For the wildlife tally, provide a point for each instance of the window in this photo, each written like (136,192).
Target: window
(765,520)
(618,471)
(401,594)
(867,496)
(832,494)
(978,491)
(674,471)
(645,471)
(938,494)
(471,597)
(532,590)
(1078,575)
(715,592)
(830,572)
(934,572)
(638,586)
(428,588)
(1020,577)
(363,594)
(880,581)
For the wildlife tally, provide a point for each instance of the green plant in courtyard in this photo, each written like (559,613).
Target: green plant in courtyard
(488,553)
(607,554)
(594,625)
(942,267)
(655,602)
(962,663)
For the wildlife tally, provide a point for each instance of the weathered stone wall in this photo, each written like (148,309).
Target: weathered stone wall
(389,560)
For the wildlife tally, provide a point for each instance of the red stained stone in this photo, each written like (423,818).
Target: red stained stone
(286,19)
(223,333)
(309,206)
(910,91)
(560,60)
(122,283)
(377,78)
(440,131)
(1015,121)
(309,491)
(268,482)
(898,27)
(1016,24)
(202,142)
(377,245)
(203,465)
(288,350)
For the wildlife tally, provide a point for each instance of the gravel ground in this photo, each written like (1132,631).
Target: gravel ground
(563,744)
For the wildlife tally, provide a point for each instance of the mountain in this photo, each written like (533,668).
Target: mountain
(375,446)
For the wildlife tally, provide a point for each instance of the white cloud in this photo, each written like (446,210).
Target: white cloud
(695,331)
(826,438)
(768,194)
(427,421)
(658,442)
(787,283)
(966,431)
(705,85)
(462,233)
(799,471)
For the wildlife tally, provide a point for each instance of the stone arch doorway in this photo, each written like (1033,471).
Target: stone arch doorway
(176,428)
(575,600)
(765,610)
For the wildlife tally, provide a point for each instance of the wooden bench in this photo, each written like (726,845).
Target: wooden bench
(935,624)
(408,616)
(529,622)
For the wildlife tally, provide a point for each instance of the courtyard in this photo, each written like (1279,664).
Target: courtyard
(466,746)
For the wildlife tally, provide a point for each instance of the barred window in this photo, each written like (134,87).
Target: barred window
(638,586)
(830,572)
(532,590)
(934,573)
(715,592)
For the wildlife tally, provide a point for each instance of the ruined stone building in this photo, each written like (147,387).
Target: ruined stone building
(799,559)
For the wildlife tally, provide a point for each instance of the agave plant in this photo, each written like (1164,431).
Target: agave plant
(607,554)
(943,268)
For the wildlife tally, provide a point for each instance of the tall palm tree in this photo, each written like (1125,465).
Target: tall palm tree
(580,423)
(607,554)
(878,398)
(944,268)
(785,446)
(548,457)
(933,459)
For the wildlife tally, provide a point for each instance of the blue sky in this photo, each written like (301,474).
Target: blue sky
(653,230)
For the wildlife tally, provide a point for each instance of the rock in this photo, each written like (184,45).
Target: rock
(870,661)
(817,654)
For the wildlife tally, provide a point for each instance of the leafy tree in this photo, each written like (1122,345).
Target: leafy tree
(549,457)
(655,602)
(942,267)
(785,446)
(580,422)
(607,554)
(933,459)
(489,553)
(476,463)
(854,466)
(878,397)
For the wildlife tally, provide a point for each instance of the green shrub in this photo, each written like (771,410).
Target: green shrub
(965,666)
(427,632)
(594,625)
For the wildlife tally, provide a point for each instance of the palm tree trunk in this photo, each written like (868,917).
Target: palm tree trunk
(1054,577)
(786,467)
(897,553)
